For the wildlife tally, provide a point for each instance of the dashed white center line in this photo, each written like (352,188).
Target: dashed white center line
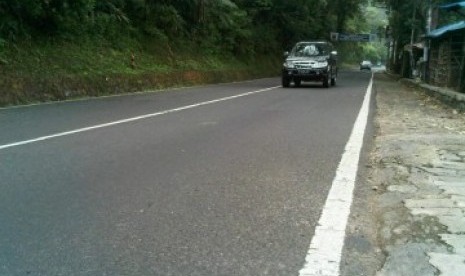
(324,255)
(145,116)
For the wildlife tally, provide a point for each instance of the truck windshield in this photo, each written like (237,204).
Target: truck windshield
(309,50)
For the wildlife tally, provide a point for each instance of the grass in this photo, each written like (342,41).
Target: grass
(93,59)
(74,59)
(46,71)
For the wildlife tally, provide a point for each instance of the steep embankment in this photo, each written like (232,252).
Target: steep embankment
(51,72)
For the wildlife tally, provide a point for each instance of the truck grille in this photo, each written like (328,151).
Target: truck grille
(304,64)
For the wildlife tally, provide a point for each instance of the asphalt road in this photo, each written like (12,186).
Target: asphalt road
(231,187)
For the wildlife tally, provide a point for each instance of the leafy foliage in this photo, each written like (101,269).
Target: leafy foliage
(235,27)
(407,17)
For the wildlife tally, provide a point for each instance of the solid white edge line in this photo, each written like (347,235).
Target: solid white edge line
(42,138)
(325,251)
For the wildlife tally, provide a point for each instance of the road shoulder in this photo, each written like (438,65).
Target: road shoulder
(408,213)
(418,171)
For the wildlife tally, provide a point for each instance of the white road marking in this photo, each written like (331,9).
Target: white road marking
(324,255)
(143,92)
(66,133)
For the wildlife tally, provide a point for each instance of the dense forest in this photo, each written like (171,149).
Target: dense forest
(238,27)
(49,40)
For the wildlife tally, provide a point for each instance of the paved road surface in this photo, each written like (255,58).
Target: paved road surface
(230,187)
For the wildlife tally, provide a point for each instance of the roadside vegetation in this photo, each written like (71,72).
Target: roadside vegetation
(409,17)
(59,49)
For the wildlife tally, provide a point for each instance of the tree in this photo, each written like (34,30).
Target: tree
(235,27)
(407,17)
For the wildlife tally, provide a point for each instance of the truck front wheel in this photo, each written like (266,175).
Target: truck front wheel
(285,81)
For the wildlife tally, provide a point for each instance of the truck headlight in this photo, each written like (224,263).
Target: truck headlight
(289,65)
(321,64)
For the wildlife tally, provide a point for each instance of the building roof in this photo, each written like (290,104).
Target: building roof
(445,29)
(453,6)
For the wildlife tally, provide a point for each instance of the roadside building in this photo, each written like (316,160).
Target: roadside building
(446,66)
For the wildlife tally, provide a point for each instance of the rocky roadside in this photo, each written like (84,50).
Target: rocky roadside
(418,176)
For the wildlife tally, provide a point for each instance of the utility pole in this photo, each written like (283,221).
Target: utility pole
(429,19)
(412,61)
(389,41)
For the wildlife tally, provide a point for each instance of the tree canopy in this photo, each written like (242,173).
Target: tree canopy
(232,26)
(407,17)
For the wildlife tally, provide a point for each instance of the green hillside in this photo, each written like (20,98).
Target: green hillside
(61,49)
